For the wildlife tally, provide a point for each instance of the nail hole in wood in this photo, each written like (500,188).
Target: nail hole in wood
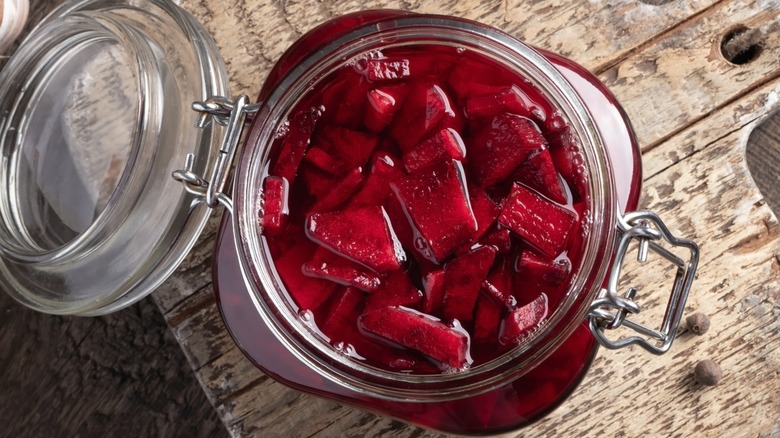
(741,45)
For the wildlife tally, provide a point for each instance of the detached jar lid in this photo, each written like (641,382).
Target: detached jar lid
(94,118)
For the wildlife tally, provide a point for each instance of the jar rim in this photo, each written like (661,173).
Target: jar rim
(266,289)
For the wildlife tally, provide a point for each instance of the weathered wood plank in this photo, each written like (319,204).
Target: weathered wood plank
(253,35)
(682,77)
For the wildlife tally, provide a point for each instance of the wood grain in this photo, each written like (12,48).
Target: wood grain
(693,112)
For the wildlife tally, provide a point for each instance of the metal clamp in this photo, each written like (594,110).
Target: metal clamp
(610,310)
(233,115)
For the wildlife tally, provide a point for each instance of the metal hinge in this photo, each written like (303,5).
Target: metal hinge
(234,115)
(610,310)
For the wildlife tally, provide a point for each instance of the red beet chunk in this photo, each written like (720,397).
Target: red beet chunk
(464,276)
(309,293)
(324,161)
(466,79)
(485,212)
(383,103)
(424,107)
(317,182)
(329,266)
(350,146)
(510,99)
(400,222)
(566,155)
(341,321)
(275,211)
(487,321)
(345,99)
(545,225)
(552,272)
(387,69)
(498,287)
(362,235)
(435,201)
(384,169)
(538,172)
(294,148)
(419,332)
(397,290)
(433,291)
(340,192)
(499,238)
(496,150)
(523,320)
(444,145)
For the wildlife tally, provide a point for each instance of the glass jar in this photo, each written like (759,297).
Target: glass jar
(84,244)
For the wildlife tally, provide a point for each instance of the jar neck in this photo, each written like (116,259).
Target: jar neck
(295,332)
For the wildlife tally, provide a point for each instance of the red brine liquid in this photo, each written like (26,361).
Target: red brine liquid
(433,205)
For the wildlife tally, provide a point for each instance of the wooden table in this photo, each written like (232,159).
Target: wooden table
(693,112)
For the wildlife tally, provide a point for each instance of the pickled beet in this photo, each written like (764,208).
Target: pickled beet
(275,190)
(437,207)
(419,332)
(362,235)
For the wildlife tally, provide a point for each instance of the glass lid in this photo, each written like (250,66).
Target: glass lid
(94,118)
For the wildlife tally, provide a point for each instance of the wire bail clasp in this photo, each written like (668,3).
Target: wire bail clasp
(233,115)
(610,311)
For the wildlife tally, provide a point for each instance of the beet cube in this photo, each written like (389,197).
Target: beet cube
(487,321)
(467,77)
(433,291)
(419,332)
(510,99)
(384,169)
(294,148)
(498,287)
(566,155)
(345,99)
(538,172)
(341,321)
(463,278)
(499,147)
(523,320)
(552,272)
(275,210)
(436,203)
(444,145)
(307,292)
(485,212)
(400,222)
(499,238)
(424,107)
(387,69)
(397,290)
(316,182)
(322,160)
(352,147)
(383,103)
(362,235)
(545,225)
(329,266)
(339,192)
